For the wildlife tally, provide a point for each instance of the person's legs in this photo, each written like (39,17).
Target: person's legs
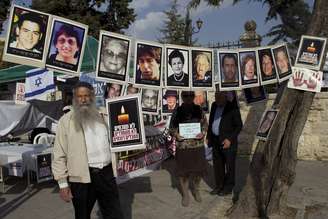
(219,168)
(196,188)
(229,178)
(107,193)
(184,183)
(83,199)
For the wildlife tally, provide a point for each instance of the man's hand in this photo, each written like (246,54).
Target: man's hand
(65,194)
(298,79)
(200,135)
(226,143)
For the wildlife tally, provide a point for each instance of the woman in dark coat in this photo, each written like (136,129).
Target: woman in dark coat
(190,153)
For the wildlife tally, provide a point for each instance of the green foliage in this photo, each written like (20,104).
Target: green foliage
(4,11)
(295,20)
(174,27)
(116,17)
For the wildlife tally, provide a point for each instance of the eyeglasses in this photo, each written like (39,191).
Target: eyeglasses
(71,42)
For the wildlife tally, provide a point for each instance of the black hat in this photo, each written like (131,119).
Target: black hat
(172,93)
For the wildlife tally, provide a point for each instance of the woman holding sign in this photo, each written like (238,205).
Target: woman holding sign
(188,125)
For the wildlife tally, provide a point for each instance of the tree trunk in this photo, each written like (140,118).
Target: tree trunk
(272,170)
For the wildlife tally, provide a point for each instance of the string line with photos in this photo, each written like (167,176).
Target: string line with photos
(62,42)
(159,70)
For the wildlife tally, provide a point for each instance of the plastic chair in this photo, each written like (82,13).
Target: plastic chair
(45,139)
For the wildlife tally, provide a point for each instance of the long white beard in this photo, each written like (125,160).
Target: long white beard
(86,114)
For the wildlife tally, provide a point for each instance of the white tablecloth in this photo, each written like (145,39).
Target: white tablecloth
(18,158)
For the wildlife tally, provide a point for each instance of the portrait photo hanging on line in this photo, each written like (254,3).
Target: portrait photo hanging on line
(282,62)
(202,68)
(148,64)
(248,68)
(65,52)
(229,77)
(177,67)
(27,36)
(311,52)
(150,101)
(267,68)
(170,101)
(113,57)
(126,124)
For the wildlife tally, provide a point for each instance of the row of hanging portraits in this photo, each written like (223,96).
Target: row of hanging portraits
(42,40)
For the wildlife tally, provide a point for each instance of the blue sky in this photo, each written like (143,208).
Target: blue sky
(219,24)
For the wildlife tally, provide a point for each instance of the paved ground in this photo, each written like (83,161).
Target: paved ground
(155,195)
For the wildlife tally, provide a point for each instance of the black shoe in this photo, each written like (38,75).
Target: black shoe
(215,191)
(225,192)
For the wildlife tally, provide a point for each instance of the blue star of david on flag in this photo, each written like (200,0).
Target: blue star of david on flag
(38,82)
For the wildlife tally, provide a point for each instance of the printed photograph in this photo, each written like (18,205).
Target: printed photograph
(229,77)
(170,101)
(113,57)
(113,90)
(248,69)
(148,63)
(26,37)
(311,52)
(266,124)
(254,94)
(125,123)
(282,62)
(177,67)
(202,75)
(149,101)
(66,47)
(130,89)
(305,79)
(267,68)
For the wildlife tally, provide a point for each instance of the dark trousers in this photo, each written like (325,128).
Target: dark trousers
(102,188)
(224,162)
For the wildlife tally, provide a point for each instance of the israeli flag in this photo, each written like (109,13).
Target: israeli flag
(38,82)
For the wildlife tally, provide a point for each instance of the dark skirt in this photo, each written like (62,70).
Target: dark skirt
(190,162)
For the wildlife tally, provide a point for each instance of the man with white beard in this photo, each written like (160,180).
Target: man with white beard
(82,161)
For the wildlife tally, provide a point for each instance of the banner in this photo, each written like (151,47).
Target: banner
(143,162)
(38,82)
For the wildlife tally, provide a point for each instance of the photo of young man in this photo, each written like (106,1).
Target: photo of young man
(26,38)
(267,68)
(148,64)
(229,71)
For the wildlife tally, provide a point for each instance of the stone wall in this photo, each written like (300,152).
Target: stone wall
(313,144)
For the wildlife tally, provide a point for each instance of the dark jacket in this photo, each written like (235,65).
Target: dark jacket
(230,125)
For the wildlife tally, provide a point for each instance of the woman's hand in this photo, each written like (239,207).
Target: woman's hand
(200,135)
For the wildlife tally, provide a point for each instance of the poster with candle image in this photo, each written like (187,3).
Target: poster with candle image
(126,123)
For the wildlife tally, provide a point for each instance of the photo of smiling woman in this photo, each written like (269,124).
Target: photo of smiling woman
(66,46)
(248,69)
(177,68)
